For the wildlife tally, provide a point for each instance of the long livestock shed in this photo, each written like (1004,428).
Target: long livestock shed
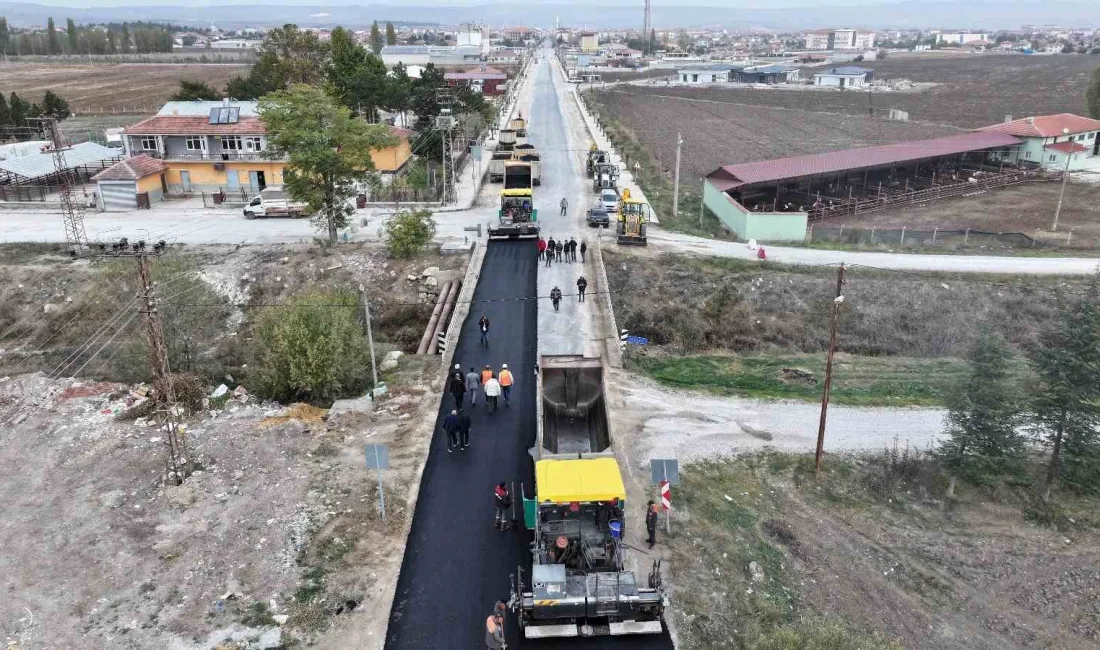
(773,200)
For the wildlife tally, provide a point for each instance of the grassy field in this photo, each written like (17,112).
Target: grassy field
(857,380)
(869,554)
(740,323)
(110,89)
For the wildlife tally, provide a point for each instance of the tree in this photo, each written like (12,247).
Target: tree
(19,110)
(287,56)
(858,59)
(5,114)
(5,37)
(1092,95)
(391,34)
(424,98)
(71,34)
(652,41)
(399,92)
(375,38)
(880,55)
(189,40)
(327,151)
(193,91)
(407,233)
(53,46)
(53,106)
(983,416)
(312,350)
(1066,403)
(124,41)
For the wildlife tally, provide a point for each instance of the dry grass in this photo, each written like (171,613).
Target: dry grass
(136,88)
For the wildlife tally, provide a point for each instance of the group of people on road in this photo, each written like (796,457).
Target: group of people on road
(551,250)
(555,293)
(493,384)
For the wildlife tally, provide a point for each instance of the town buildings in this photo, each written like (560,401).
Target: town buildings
(839,39)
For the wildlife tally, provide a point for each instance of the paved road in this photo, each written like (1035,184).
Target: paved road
(456,565)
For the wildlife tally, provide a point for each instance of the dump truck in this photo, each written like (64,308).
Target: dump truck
(496,165)
(633,217)
(527,153)
(519,125)
(506,140)
(273,201)
(517,216)
(577,585)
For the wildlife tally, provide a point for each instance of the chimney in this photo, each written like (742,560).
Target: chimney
(1008,118)
(225,101)
(1031,120)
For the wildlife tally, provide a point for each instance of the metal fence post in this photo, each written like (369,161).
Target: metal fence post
(966,237)
(872,234)
(1070,237)
(935,230)
(902,236)
(840,237)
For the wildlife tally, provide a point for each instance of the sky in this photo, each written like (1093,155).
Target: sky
(753,4)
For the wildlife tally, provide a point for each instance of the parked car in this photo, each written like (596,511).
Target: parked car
(610,200)
(597,217)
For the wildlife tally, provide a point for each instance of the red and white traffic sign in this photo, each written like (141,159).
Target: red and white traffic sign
(666,495)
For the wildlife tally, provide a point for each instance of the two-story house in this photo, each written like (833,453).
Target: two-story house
(207,146)
(1053,141)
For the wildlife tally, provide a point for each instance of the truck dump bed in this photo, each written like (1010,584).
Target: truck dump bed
(574,411)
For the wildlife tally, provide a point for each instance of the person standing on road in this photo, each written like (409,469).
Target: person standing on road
(458,386)
(506,381)
(555,297)
(584,247)
(558,248)
(502,499)
(450,427)
(464,424)
(651,522)
(494,627)
(564,205)
(549,252)
(473,383)
(483,327)
(582,284)
(492,392)
(572,250)
(542,248)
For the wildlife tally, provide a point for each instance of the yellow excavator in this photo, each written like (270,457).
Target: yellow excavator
(633,217)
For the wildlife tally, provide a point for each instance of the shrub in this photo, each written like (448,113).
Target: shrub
(407,233)
(313,350)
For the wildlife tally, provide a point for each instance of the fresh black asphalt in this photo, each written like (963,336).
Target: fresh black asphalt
(456,565)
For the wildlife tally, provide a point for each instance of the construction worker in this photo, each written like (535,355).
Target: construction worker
(458,386)
(564,206)
(502,499)
(486,375)
(450,427)
(506,380)
(555,297)
(584,247)
(541,247)
(494,627)
(473,383)
(549,251)
(582,284)
(492,392)
(651,515)
(483,327)
(464,424)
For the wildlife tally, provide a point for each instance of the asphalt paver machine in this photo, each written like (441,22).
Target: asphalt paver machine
(633,217)
(517,218)
(577,585)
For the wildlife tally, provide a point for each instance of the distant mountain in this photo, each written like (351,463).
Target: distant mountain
(984,14)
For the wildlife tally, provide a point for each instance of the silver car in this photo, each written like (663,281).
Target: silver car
(610,200)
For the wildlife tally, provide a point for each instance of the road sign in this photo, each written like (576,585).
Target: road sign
(664,469)
(378,458)
(666,496)
(637,340)
(475,152)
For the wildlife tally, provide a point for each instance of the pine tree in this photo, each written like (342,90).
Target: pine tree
(1066,405)
(983,416)
(391,34)
(375,38)
(5,37)
(53,46)
(1092,95)
(70,32)
(124,42)
(54,106)
(5,114)
(18,109)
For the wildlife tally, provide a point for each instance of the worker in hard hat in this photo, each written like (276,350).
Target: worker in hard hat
(506,380)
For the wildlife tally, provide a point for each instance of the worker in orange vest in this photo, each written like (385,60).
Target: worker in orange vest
(486,375)
(506,381)
(494,628)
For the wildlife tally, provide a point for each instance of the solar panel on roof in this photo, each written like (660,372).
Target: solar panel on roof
(214,115)
(234,115)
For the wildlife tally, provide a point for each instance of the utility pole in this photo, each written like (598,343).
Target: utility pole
(829,367)
(177,465)
(1065,177)
(676,181)
(370,337)
(445,123)
(647,26)
(72,212)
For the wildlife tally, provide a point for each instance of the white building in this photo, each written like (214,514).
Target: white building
(704,74)
(1050,139)
(471,35)
(960,38)
(844,77)
(839,39)
(235,44)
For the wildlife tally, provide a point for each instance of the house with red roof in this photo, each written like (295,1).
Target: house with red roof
(484,79)
(1053,141)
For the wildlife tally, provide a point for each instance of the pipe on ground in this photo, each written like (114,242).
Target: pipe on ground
(448,306)
(430,329)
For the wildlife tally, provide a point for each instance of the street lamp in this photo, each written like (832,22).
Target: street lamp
(1065,177)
